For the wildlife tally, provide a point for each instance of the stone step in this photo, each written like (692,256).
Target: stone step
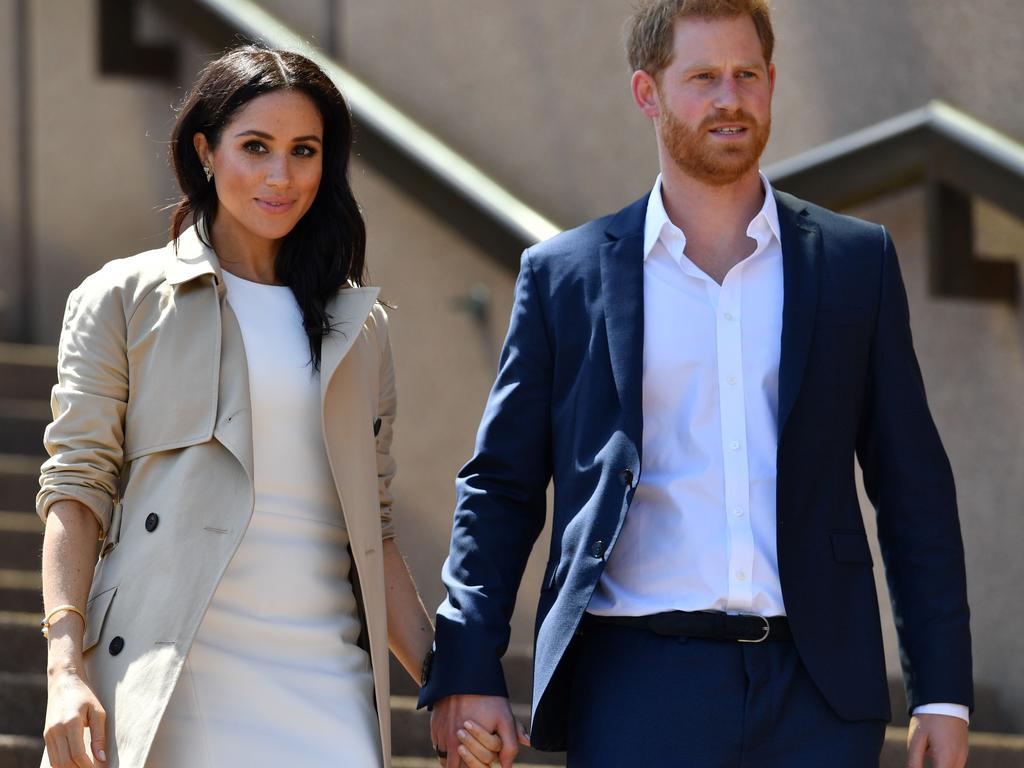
(20,591)
(22,703)
(19,481)
(22,423)
(20,751)
(27,371)
(24,649)
(20,549)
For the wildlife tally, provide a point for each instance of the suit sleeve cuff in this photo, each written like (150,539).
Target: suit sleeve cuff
(953,710)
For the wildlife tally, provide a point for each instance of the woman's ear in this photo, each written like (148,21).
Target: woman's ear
(202,147)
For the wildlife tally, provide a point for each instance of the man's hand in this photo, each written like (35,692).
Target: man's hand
(466,713)
(943,738)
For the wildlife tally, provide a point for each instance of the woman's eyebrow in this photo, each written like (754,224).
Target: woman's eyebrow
(269,137)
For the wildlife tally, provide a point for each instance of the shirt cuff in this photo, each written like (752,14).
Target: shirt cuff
(953,710)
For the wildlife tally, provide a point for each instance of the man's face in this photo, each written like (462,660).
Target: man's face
(714,99)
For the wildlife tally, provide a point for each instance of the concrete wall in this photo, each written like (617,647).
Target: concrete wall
(99,176)
(9,193)
(538,92)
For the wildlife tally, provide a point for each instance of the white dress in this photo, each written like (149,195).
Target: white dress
(274,676)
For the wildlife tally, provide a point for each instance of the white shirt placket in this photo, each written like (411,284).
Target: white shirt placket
(732,407)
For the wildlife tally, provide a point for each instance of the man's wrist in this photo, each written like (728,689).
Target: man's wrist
(951,710)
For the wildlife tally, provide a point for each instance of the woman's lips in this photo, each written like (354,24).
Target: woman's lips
(274,206)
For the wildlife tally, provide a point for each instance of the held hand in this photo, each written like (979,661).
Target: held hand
(71,707)
(941,737)
(490,731)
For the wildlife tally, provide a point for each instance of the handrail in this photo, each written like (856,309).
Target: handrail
(955,155)
(920,135)
(391,126)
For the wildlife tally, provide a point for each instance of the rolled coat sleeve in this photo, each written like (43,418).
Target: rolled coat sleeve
(86,437)
(386,408)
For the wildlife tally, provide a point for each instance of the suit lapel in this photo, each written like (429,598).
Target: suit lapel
(801,261)
(622,293)
(348,311)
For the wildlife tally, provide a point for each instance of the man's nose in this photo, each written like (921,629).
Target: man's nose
(727,97)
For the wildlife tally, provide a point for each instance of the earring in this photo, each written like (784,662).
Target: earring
(209,172)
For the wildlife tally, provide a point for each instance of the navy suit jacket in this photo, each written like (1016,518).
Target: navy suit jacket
(566,405)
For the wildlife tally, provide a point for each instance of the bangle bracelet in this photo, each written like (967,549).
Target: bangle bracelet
(45,623)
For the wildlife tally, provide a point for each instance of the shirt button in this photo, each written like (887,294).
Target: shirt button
(728,316)
(732,380)
(738,511)
(734,445)
(152,521)
(741,576)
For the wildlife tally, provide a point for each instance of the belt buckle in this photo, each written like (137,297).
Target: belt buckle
(767,630)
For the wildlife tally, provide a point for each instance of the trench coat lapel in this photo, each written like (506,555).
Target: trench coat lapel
(221,344)
(348,311)
(234,411)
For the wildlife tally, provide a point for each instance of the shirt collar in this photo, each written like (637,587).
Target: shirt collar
(658,226)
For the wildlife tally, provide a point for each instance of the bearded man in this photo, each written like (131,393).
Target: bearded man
(698,373)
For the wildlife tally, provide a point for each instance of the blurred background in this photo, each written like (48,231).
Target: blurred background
(485,125)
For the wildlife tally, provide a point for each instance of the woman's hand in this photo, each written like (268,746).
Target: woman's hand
(479,747)
(71,707)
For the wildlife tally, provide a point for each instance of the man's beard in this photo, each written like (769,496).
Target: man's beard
(696,153)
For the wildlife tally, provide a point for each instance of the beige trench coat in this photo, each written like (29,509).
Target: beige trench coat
(151,416)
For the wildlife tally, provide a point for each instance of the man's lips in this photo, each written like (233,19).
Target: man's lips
(274,205)
(727,131)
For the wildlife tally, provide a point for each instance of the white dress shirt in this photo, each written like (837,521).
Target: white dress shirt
(700,533)
(701,530)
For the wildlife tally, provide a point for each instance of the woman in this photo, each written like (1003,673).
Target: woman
(222,425)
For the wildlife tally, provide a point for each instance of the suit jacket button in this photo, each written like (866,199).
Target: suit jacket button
(152,521)
(626,476)
(116,645)
(598,549)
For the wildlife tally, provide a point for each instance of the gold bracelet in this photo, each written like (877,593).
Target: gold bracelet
(45,623)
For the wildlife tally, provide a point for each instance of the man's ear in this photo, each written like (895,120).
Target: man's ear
(645,93)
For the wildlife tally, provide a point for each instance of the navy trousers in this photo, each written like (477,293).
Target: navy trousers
(641,699)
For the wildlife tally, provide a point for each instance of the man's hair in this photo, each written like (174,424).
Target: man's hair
(649,30)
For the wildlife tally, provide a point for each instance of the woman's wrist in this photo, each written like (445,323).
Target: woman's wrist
(64,656)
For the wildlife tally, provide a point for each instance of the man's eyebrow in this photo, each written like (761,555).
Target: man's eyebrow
(752,64)
(265,135)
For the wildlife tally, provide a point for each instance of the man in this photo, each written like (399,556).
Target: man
(697,373)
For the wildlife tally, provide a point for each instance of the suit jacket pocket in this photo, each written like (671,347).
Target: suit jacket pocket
(851,547)
(96,613)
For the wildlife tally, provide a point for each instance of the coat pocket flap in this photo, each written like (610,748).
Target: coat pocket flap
(851,548)
(96,613)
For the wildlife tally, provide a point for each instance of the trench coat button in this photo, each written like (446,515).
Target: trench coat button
(152,521)
(376,427)
(598,549)
(116,645)
(626,476)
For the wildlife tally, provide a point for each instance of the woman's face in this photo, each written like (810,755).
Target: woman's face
(268,164)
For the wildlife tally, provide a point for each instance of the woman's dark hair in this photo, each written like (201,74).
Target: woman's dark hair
(327,247)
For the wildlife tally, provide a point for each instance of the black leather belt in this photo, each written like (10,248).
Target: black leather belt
(705,625)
